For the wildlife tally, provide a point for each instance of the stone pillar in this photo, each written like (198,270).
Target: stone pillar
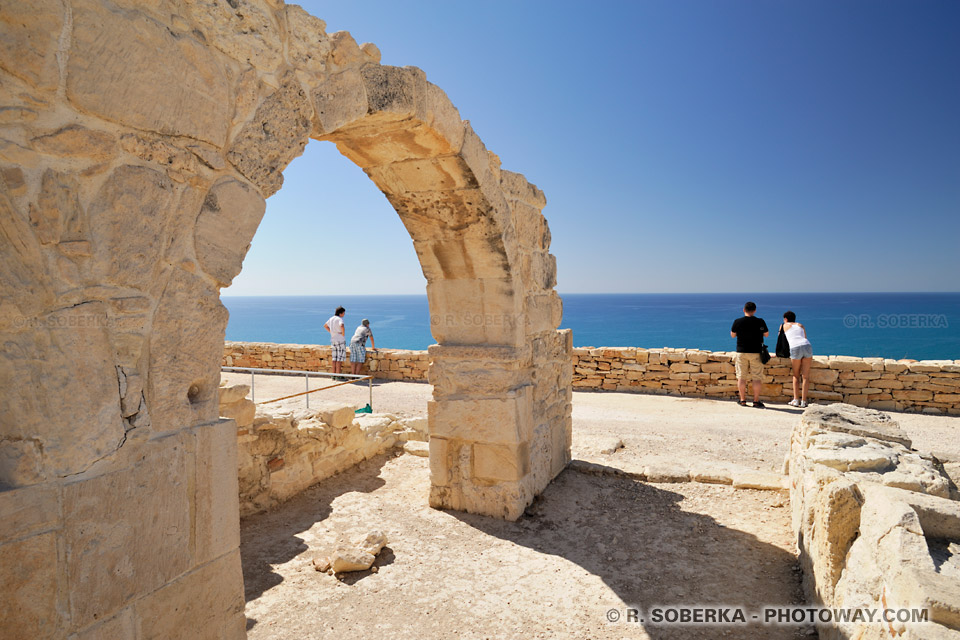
(484,433)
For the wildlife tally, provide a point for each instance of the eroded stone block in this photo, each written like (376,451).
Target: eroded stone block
(30,583)
(229,217)
(28,41)
(185,92)
(127,533)
(205,603)
(216,505)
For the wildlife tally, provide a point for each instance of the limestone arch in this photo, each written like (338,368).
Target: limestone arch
(130,186)
(483,247)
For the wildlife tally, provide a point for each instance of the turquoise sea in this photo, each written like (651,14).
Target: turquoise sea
(922,326)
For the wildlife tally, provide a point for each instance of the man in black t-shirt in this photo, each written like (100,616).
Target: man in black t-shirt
(749,332)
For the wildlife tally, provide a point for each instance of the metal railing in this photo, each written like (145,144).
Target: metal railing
(295,372)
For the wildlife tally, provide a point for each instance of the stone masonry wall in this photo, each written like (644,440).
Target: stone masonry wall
(930,386)
(386,364)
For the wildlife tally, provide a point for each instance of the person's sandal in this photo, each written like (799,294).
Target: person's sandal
(743,403)
(759,405)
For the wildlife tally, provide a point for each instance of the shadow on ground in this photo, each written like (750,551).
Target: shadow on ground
(589,545)
(270,538)
(654,552)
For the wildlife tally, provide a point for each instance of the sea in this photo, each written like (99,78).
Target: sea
(919,326)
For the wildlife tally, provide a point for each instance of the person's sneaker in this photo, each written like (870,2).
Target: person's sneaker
(759,405)
(803,405)
(794,403)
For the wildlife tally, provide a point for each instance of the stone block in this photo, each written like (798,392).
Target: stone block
(28,510)
(187,338)
(658,473)
(276,135)
(760,480)
(205,603)
(188,93)
(307,43)
(67,360)
(30,582)
(507,420)
(229,217)
(338,416)
(243,412)
(848,363)
(28,41)
(235,393)
(127,533)
(823,376)
(443,454)
(500,462)
(477,310)
(216,508)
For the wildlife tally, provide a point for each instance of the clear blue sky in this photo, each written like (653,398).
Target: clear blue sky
(694,146)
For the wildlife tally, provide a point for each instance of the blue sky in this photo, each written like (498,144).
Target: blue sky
(694,146)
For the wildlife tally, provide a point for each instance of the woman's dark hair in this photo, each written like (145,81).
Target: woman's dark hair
(339,311)
(790,316)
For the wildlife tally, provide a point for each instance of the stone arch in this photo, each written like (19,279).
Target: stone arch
(130,187)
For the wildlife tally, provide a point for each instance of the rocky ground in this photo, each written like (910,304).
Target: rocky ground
(588,551)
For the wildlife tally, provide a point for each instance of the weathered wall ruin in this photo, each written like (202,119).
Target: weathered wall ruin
(877,524)
(283,451)
(138,141)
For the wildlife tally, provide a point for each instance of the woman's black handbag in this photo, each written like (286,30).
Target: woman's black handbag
(764,354)
(783,345)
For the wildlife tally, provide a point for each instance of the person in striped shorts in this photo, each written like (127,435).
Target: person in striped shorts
(358,346)
(338,347)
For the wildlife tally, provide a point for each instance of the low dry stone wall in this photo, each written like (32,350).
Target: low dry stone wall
(387,364)
(280,455)
(877,525)
(929,386)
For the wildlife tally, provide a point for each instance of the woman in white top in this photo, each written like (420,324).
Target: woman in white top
(801,356)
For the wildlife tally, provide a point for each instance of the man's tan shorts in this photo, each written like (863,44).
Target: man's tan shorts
(749,366)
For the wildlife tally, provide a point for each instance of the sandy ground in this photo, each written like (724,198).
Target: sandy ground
(590,548)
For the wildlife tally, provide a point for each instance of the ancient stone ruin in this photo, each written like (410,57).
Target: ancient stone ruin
(877,524)
(138,141)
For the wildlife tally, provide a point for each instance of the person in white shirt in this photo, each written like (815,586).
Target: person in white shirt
(338,340)
(801,356)
(358,346)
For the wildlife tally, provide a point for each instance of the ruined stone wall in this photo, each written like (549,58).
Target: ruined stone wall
(282,452)
(138,142)
(930,386)
(384,364)
(877,525)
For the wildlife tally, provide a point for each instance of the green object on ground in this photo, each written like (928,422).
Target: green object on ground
(365,409)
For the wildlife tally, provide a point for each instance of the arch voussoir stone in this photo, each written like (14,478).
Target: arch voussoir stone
(138,144)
